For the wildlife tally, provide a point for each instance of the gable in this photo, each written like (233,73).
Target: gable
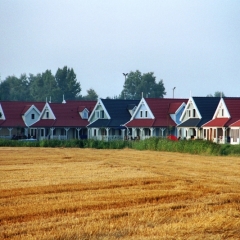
(31,115)
(99,112)
(143,111)
(47,113)
(2,116)
(222,110)
(190,111)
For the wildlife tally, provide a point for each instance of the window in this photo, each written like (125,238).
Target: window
(33,116)
(94,132)
(47,114)
(97,114)
(102,114)
(222,112)
(84,114)
(146,114)
(141,113)
(189,113)
(194,113)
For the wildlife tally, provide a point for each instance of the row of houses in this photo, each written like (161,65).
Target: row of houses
(208,118)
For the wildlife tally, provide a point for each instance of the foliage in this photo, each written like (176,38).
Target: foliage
(41,86)
(200,147)
(137,84)
(217,94)
(67,83)
(44,86)
(91,95)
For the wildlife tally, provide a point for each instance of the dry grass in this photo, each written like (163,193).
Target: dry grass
(117,194)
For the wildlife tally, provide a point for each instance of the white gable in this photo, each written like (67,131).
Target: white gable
(2,117)
(47,113)
(190,111)
(143,111)
(31,116)
(97,112)
(84,113)
(221,111)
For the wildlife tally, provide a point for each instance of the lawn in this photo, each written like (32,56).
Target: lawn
(70,193)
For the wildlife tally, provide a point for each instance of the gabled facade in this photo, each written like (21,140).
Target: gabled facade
(218,129)
(16,117)
(67,120)
(107,120)
(155,117)
(198,111)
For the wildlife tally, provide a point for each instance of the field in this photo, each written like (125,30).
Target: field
(63,193)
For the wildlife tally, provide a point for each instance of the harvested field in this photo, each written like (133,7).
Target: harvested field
(63,193)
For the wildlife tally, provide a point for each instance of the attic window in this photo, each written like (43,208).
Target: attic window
(102,114)
(33,116)
(84,114)
(222,112)
(141,113)
(47,114)
(194,113)
(146,114)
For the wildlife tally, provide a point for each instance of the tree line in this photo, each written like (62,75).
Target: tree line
(45,85)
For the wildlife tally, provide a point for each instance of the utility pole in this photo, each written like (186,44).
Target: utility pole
(125,75)
(173,91)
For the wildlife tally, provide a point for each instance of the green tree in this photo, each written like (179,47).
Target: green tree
(138,84)
(91,95)
(15,89)
(67,83)
(44,86)
(217,94)
(5,91)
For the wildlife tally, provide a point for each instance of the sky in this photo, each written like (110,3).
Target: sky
(193,45)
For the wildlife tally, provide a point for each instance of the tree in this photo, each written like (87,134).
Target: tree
(138,84)
(15,89)
(44,86)
(67,83)
(91,95)
(217,94)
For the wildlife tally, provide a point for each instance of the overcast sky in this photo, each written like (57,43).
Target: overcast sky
(193,45)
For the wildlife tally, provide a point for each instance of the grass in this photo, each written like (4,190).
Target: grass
(65,193)
(155,144)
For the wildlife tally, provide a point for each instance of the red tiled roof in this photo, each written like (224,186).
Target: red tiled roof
(67,114)
(235,124)
(13,112)
(140,123)
(174,107)
(217,122)
(161,109)
(233,106)
(44,123)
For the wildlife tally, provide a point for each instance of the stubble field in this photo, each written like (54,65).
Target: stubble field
(63,193)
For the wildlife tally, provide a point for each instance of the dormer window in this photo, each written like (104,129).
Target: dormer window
(85,114)
(33,116)
(47,114)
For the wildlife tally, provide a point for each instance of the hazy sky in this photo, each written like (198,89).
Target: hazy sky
(193,45)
